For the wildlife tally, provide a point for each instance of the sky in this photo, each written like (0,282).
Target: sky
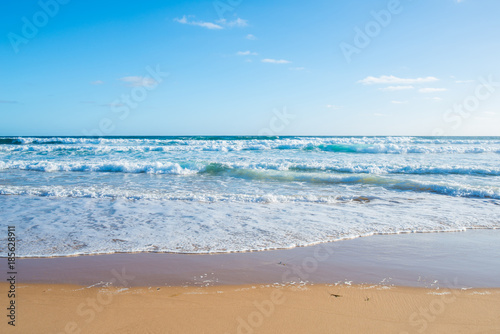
(240,67)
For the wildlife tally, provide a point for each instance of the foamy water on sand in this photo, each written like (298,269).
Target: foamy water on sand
(69,195)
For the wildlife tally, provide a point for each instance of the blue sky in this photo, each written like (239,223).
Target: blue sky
(234,67)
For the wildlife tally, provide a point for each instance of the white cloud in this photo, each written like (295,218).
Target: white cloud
(246,53)
(208,25)
(490,113)
(97,82)
(396,88)
(251,37)
(379,115)
(276,61)
(137,81)
(463,81)
(218,25)
(390,79)
(183,20)
(297,68)
(432,90)
(333,107)
(435,98)
(236,23)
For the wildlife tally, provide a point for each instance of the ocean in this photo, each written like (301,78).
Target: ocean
(81,195)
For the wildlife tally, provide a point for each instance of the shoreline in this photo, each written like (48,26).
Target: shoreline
(463,230)
(415,260)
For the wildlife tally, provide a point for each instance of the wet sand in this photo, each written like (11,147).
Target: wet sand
(458,259)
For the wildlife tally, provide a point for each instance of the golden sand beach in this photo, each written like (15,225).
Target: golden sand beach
(381,284)
(54,308)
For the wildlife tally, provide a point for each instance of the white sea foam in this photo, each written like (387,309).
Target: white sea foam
(184,168)
(120,166)
(370,145)
(91,226)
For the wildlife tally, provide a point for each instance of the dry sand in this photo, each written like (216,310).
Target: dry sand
(252,309)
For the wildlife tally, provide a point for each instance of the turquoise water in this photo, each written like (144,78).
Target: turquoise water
(73,195)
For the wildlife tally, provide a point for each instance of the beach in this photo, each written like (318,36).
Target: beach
(250,234)
(246,167)
(352,286)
